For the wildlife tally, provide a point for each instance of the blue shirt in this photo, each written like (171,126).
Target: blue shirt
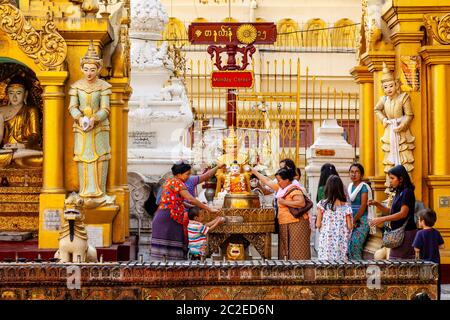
(404,197)
(357,203)
(428,242)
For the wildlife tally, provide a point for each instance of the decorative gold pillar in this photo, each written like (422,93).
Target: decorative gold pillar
(53,191)
(115,164)
(367,120)
(437,61)
(439,116)
(53,170)
(440,119)
(124,179)
(118,161)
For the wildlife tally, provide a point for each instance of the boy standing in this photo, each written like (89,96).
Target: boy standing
(197,232)
(428,241)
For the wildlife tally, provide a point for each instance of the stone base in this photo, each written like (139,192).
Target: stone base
(99,223)
(229,280)
(28,250)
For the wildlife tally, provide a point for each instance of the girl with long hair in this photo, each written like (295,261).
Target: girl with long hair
(334,221)
(326,171)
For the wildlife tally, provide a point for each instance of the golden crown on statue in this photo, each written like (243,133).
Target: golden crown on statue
(91,56)
(387,74)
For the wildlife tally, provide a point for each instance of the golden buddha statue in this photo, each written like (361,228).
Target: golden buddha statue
(20,137)
(234,180)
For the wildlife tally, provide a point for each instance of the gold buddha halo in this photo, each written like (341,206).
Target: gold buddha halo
(91,56)
(387,75)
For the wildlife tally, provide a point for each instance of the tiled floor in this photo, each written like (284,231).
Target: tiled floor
(445,292)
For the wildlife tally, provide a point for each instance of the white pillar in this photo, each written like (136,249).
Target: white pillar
(329,147)
(160,114)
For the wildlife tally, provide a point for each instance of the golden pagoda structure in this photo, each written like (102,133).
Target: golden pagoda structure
(45,41)
(410,38)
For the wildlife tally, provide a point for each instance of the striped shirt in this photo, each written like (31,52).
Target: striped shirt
(197,237)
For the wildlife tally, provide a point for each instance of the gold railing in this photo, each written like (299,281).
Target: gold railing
(312,36)
(285,101)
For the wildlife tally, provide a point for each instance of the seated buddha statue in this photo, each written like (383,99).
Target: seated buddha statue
(19,128)
(234,180)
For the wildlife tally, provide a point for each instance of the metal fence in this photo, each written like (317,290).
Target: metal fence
(286,100)
(312,36)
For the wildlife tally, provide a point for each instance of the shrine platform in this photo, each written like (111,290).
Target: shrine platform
(29,250)
(224,280)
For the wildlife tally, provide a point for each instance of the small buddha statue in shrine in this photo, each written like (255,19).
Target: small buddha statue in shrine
(233,180)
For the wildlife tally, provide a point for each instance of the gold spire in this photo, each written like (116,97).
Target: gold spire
(231,140)
(91,56)
(387,75)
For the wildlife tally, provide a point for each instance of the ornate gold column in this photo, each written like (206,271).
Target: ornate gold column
(364,78)
(53,191)
(118,158)
(53,96)
(437,60)
(124,179)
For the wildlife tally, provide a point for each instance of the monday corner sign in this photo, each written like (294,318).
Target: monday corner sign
(232,79)
(232,34)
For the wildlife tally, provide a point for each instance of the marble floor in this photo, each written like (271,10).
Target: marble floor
(445,292)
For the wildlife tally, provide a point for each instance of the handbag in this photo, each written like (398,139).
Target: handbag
(298,212)
(394,238)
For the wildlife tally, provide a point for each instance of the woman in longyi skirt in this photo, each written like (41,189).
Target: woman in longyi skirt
(168,240)
(401,213)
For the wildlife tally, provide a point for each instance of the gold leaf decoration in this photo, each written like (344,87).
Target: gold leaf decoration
(438,28)
(47,48)
(247,33)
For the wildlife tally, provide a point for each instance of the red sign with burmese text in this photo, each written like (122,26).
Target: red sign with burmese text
(232,79)
(232,33)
